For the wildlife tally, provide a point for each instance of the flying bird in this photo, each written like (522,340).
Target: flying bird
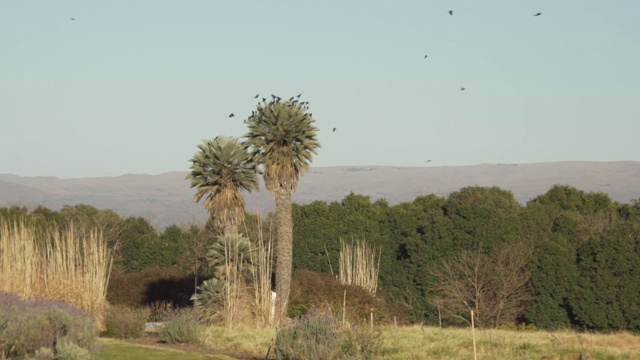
(538,14)
(334,129)
(73,19)
(425,56)
(231,115)
(255,97)
(462,89)
(299,95)
(429,160)
(451,12)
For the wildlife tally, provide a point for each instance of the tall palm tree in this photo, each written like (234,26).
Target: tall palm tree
(220,171)
(282,140)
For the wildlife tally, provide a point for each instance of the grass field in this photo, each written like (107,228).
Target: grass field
(433,343)
(415,342)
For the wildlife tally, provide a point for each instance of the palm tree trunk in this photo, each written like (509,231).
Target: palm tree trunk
(284,251)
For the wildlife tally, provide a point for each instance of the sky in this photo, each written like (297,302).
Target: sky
(132,87)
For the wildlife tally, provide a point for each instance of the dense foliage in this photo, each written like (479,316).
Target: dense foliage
(584,249)
(582,263)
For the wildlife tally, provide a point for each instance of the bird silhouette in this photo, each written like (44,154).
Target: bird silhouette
(462,89)
(231,115)
(255,97)
(73,19)
(451,12)
(334,129)
(538,14)
(425,56)
(429,160)
(299,95)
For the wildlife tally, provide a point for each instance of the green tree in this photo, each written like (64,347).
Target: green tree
(130,242)
(606,295)
(220,171)
(484,217)
(282,139)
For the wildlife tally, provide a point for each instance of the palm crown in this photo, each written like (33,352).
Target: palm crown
(282,138)
(220,171)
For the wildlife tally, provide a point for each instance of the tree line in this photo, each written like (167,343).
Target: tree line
(567,258)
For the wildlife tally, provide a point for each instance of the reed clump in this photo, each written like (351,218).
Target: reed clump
(358,265)
(70,265)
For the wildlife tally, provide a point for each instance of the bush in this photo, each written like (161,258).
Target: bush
(319,336)
(361,343)
(42,354)
(161,311)
(31,327)
(321,291)
(310,337)
(149,286)
(124,323)
(182,328)
(71,351)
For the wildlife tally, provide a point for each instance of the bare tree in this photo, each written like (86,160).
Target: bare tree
(493,286)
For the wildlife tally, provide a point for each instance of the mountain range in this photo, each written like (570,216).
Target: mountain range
(167,198)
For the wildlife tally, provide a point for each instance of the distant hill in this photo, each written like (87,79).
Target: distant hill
(166,199)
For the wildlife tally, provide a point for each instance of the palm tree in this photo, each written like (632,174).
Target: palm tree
(282,139)
(221,170)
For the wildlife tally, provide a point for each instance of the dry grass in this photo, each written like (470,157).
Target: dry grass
(455,343)
(67,265)
(242,339)
(415,342)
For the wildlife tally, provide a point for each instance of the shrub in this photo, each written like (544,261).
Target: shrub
(43,353)
(182,328)
(314,290)
(124,323)
(319,336)
(149,286)
(361,343)
(27,327)
(161,311)
(310,337)
(70,351)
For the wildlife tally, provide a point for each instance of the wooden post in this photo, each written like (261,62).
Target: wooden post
(372,321)
(473,335)
(439,315)
(344,308)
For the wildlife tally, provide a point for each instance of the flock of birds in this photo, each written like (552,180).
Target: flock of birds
(277,98)
(451,13)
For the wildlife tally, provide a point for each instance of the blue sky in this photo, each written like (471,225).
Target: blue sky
(134,86)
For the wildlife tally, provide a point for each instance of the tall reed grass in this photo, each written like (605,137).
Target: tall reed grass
(262,266)
(358,266)
(71,265)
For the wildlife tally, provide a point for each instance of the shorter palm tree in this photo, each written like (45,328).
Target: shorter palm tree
(220,171)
